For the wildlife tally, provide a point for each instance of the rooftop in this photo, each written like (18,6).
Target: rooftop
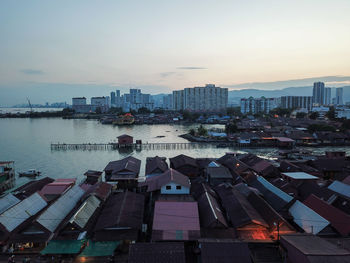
(300,176)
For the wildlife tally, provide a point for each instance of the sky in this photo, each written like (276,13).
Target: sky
(167,45)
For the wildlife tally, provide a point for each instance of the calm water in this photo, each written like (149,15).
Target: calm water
(27,142)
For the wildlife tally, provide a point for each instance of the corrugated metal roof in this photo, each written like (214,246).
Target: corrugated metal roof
(8,201)
(53,216)
(287,198)
(307,219)
(19,213)
(341,188)
(85,211)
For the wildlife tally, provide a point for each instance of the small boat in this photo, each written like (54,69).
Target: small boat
(30,173)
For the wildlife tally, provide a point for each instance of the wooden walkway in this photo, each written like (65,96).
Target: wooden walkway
(144,146)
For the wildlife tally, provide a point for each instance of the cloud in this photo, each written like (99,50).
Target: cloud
(30,71)
(167,74)
(191,68)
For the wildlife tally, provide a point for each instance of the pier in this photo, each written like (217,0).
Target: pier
(152,146)
(134,146)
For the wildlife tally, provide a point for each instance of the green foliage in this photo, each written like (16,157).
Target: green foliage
(234,111)
(331,113)
(115,110)
(192,132)
(314,115)
(301,115)
(190,116)
(98,110)
(231,128)
(202,131)
(320,127)
(143,110)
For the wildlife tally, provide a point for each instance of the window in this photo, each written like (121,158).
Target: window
(178,187)
(168,187)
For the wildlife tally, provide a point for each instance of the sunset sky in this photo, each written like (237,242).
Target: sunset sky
(172,44)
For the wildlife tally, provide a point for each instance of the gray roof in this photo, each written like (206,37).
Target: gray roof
(85,211)
(300,176)
(53,216)
(219,172)
(22,211)
(7,201)
(307,219)
(340,188)
(130,164)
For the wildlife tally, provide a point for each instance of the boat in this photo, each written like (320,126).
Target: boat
(126,119)
(30,173)
(7,175)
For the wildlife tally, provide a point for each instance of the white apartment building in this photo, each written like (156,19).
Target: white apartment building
(258,105)
(208,98)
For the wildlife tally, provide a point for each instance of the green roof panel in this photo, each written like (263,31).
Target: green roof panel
(99,249)
(56,247)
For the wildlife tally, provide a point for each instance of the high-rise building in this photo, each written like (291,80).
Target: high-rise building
(258,105)
(328,96)
(339,96)
(118,101)
(168,102)
(296,102)
(113,99)
(208,98)
(318,93)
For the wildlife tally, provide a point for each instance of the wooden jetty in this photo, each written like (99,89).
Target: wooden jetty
(150,146)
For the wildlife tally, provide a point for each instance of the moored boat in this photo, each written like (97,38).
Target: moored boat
(30,173)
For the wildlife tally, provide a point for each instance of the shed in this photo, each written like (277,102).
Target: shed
(125,139)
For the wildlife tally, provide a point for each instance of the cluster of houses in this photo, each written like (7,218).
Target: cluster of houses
(237,208)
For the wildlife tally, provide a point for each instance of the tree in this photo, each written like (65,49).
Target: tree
(234,111)
(98,110)
(192,132)
(202,131)
(301,115)
(231,128)
(314,115)
(331,113)
(143,110)
(320,127)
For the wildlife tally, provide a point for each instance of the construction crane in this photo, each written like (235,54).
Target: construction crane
(30,105)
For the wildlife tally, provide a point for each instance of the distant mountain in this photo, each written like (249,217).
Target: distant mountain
(234,96)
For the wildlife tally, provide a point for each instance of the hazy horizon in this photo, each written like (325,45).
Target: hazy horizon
(159,46)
